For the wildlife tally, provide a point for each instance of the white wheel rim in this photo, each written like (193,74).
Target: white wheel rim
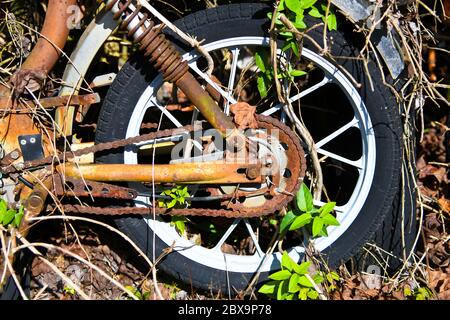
(214,258)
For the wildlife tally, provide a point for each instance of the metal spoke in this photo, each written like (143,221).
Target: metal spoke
(337,133)
(298,96)
(154,102)
(253,236)
(235,56)
(205,77)
(156,142)
(357,163)
(164,111)
(227,234)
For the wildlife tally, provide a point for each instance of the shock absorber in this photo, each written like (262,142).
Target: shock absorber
(167,60)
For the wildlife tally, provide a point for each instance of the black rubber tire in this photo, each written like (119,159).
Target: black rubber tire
(249,20)
(22,265)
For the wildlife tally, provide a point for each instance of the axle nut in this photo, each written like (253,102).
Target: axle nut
(252,172)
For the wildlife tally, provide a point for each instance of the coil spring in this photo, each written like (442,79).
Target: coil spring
(153,42)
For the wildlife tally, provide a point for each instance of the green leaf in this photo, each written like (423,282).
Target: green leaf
(305,282)
(324,232)
(280,275)
(305,4)
(69,290)
(301,221)
(179,223)
(212,228)
(295,48)
(407,291)
(314,12)
(330,220)
(317,226)
(299,23)
(8,217)
(260,62)
(331,21)
(262,88)
(327,208)
(304,199)
(268,288)
(287,45)
(180,226)
(335,276)
(293,5)
(18,217)
(277,20)
(297,73)
(282,290)
(289,296)
(172,203)
(293,283)
(287,220)
(318,278)
(184,192)
(286,262)
(302,268)
(3,206)
(286,34)
(302,295)
(313,294)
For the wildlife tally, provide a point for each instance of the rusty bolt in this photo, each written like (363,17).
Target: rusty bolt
(19,166)
(252,172)
(14,154)
(35,201)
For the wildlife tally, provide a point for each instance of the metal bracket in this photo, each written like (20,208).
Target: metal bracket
(31,147)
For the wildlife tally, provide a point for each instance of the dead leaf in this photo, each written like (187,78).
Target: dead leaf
(398,295)
(439,281)
(444,295)
(244,115)
(347,294)
(432,221)
(439,173)
(38,267)
(445,205)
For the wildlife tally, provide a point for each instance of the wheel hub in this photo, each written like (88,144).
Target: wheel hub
(278,148)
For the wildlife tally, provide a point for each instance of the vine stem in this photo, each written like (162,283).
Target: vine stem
(303,131)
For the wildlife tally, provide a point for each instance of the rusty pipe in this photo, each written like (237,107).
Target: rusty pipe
(189,173)
(87,99)
(167,60)
(53,36)
(205,104)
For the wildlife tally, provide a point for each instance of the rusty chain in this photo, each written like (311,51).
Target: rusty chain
(62,157)
(295,155)
(296,158)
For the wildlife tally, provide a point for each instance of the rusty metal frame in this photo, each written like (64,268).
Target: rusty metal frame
(90,42)
(215,172)
(6,103)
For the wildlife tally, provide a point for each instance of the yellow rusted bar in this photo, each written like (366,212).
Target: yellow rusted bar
(187,173)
